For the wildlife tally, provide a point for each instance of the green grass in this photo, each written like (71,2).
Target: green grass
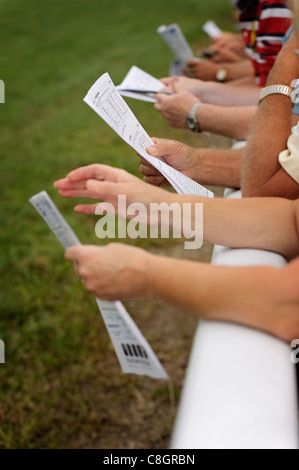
(51,53)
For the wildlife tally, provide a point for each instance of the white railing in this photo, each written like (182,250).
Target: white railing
(240,389)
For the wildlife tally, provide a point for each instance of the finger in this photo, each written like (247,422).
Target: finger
(166,88)
(78,193)
(76,268)
(105,208)
(95,171)
(193,67)
(156,180)
(168,80)
(145,162)
(161,148)
(177,88)
(148,170)
(86,208)
(106,189)
(73,253)
(65,183)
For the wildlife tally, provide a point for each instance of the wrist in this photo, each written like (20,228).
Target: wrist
(221,74)
(191,121)
(157,276)
(210,93)
(278,90)
(153,282)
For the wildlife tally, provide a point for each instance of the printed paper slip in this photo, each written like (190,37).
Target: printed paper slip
(133,351)
(212,29)
(176,41)
(105,100)
(137,79)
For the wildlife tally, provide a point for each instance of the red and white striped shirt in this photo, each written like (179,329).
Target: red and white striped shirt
(264,24)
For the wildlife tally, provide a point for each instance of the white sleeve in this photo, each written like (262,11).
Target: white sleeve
(289,159)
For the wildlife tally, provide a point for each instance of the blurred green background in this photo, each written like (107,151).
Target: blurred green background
(61,378)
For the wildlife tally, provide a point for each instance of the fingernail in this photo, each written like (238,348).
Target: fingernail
(152,150)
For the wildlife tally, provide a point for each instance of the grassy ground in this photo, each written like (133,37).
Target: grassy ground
(61,385)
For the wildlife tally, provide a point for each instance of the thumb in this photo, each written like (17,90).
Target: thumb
(177,87)
(162,148)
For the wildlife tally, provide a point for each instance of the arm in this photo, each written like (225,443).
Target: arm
(262,174)
(207,70)
(214,93)
(230,121)
(260,297)
(270,224)
(265,298)
(206,166)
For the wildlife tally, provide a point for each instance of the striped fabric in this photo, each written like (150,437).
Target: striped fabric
(264,24)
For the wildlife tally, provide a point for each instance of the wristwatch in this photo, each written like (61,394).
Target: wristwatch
(280,90)
(191,119)
(221,74)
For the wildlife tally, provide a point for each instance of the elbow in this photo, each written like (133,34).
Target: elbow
(269,189)
(249,190)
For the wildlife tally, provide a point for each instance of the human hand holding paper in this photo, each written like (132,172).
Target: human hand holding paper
(203,69)
(175,108)
(176,154)
(111,272)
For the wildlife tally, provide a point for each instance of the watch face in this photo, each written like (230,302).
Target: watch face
(191,123)
(221,75)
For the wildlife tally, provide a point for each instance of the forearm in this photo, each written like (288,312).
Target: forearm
(229,121)
(238,70)
(267,224)
(217,167)
(226,95)
(252,296)
(262,174)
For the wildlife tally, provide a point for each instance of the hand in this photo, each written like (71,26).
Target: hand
(193,85)
(224,55)
(113,272)
(203,69)
(232,41)
(175,108)
(107,183)
(177,155)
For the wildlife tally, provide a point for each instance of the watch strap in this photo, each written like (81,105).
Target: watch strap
(192,117)
(280,90)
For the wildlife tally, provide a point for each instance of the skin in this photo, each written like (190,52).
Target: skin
(206,166)
(219,94)
(262,174)
(225,54)
(260,171)
(230,121)
(260,297)
(207,70)
(228,42)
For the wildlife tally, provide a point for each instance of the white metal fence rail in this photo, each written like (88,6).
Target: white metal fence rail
(240,389)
